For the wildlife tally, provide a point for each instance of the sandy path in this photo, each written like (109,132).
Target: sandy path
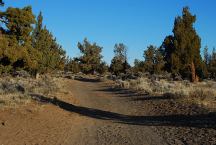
(102,123)
(100,118)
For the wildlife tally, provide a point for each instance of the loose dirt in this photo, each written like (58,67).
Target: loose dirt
(90,112)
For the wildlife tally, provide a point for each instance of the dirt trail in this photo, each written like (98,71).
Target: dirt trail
(106,118)
(102,117)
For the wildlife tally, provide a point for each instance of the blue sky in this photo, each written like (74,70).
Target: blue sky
(136,23)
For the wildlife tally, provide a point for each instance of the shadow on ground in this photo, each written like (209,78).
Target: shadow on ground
(197,121)
(135,95)
(92,80)
(121,92)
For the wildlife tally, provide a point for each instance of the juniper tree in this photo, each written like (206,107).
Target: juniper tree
(154,60)
(57,56)
(167,49)
(212,64)
(149,56)
(18,27)
(119,62)
(182,50)
(187,45)
(159,62)
(138,66)
(206,56)
(205,63)
(52,56)
(72,65)
(19,22)
(23,48)
(90,58)
(116,66)
(103,67)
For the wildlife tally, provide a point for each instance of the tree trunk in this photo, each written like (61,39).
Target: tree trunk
(194,77)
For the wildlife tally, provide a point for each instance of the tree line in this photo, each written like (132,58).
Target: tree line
(179,54)
(26,44)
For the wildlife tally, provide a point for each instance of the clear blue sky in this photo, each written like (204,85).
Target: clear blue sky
(137,23)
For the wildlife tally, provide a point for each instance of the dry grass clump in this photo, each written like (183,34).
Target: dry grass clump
(203,93)
(16,91)
(12,100)
(160,87)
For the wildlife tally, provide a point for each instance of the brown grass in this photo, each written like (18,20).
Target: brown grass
(16,91)
(202,93)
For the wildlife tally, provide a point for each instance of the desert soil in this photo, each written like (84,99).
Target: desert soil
(89,112)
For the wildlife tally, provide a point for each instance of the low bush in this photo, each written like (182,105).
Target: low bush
(203,93)
(18,90)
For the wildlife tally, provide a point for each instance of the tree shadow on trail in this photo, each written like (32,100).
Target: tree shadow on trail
(197,121)
(135,95)
(120,92)
(91,80)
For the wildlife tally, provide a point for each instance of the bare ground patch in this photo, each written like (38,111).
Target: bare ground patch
(33,122)
(178,121)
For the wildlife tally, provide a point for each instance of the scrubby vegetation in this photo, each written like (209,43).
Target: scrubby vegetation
(203,93)
(27,45)
(19,90)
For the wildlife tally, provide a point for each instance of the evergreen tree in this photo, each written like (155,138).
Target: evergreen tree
(116,66)
(212,64)
(205,63)
(120,50)
(138,66)
(149,56)
(187,45)
(119,62)
(91,56)
(103,68)
(58,56)
(167,49)
(72,65)
(206,56)
(18,52)
(4,60)
(159,62)
(52,56)
(37,32)
(19,22)
(182,50)
(22,49)
(154,60)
